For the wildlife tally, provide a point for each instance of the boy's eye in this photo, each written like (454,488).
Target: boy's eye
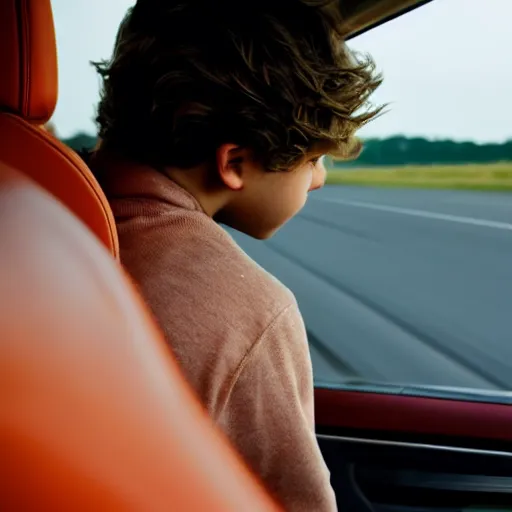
(317,159)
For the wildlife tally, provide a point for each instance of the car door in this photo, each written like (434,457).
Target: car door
(406,448)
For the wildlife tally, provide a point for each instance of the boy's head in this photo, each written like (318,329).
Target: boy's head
(253,91)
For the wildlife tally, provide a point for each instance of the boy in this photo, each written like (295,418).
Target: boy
(221,112)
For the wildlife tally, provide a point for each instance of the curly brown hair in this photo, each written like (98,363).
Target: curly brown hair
(274,76)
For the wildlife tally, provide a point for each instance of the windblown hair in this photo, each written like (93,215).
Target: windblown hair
(274,76)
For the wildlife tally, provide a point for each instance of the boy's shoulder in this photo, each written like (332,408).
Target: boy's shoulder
(212,301)
(173,247)
(185,255)
(224,261)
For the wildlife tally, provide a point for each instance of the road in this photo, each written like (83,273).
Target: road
(402,286)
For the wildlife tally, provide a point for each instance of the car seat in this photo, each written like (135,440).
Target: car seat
(95,414)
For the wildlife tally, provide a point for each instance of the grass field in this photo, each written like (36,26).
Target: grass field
(471,177)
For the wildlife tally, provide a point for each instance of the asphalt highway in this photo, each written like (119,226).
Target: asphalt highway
(401,285)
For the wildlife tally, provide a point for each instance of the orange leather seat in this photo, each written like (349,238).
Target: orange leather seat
(95,414)
(28,95)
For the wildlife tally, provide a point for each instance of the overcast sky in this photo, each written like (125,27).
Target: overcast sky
(446,67)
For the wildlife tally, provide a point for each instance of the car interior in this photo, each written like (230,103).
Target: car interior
(95,412)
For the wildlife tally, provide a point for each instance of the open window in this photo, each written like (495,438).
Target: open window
(401,267)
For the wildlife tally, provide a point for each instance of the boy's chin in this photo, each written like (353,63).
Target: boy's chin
(256,233)
(264,235)
(251,225)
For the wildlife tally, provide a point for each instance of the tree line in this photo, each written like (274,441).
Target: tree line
(400,150)
(395,151)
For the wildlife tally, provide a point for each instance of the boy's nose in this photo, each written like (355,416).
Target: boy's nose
(319,175)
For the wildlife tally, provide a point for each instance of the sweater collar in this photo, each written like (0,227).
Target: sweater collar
(124,180)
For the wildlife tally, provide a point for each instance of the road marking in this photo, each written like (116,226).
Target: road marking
(420,213)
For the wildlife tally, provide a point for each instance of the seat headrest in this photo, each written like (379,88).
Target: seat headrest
(29,83)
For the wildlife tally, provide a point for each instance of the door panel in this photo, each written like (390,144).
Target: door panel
(395,453)
(391,412)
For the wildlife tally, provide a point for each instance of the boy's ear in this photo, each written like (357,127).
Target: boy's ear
(230,162)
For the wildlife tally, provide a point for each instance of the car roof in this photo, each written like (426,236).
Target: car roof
(363,15)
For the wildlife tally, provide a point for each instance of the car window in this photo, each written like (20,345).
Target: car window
(402,264)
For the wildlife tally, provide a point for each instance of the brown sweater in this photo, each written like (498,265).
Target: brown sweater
(235,329)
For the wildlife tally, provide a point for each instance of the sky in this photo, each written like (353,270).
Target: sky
(446,68)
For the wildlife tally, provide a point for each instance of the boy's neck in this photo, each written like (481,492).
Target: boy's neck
(196,181)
